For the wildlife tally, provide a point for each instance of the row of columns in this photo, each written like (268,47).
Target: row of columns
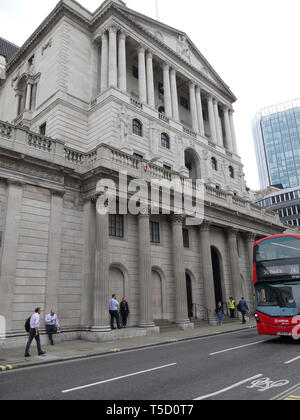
(114,74)
(101,291)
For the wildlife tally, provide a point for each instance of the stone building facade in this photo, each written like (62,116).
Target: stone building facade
(90,95)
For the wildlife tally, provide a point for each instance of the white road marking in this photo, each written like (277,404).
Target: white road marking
(292,361)
(222,391)
(237,348)
(117,379)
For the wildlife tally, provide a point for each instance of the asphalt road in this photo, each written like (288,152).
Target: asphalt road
(235,366)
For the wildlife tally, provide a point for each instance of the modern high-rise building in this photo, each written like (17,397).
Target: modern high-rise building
(276,132)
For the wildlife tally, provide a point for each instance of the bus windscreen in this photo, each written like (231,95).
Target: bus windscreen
(280,248)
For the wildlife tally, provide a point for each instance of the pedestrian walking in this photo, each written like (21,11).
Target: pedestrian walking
(231,306)
(243,308)
(114,314)
(219,312)
(124,310)
(52,325)
(35,333)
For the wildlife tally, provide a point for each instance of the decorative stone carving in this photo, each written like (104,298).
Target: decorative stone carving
(124,125)
(183,48)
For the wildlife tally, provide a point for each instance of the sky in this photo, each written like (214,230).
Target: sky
(252,44)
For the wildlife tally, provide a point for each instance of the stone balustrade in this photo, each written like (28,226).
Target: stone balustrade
(21,140)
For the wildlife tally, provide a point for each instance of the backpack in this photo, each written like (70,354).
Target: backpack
(27,325)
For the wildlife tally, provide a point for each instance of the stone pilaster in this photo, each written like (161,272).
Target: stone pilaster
(208,276)
(235,264)
(145,271)
(250,238)
(182,319)
(54,251)
(9,253)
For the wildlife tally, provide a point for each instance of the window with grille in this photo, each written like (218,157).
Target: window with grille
(154,233)
(214,164)
(186,238)
(137,128)
(165,141)
(116,226)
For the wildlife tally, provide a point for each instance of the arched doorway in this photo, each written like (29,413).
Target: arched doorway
(117,282)
(157,301)
(192,163)
(189,291)
(217,275)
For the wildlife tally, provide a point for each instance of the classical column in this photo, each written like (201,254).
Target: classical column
(113,71)
(150,79)
(104,62)
(233,135)
(88,278)
(235,264)
(228,130)
(145,271)
(167,90)
(193,107)
(142,76)
(54,251)
(200,111)
(182,318)
(101,289)
(174,95)
(9,250)
(208,276)
(212,122)
(122,62)
(218,123)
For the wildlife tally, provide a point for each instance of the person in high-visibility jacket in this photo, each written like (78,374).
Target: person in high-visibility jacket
(231,306)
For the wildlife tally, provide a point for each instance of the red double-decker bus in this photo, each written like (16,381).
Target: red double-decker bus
(277,285)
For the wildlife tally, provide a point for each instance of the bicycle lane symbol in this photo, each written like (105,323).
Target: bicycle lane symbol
(265,384)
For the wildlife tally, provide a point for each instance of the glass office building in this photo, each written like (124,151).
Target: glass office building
(276,132)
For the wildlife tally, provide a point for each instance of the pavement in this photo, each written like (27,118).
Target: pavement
(11,359)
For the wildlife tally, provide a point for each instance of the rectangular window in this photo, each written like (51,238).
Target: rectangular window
(184,103)
(154,233)
(186,238)
(43,129)
(161,88)
(116,226)
(135,72)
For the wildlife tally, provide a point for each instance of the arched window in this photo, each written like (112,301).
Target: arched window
(214,164)
(165,141)
(231,172)
(137,128)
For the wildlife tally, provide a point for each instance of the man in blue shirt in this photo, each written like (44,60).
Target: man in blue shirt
(114,313)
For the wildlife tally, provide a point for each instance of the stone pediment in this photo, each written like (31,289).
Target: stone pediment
(180,43)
